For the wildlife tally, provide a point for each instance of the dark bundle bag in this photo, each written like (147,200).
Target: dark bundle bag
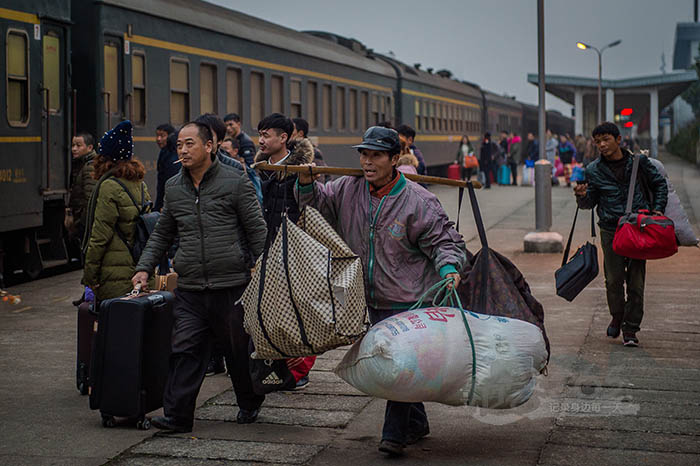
(269,375)
(575,274)
(640,235)
(494,285)
(145,224)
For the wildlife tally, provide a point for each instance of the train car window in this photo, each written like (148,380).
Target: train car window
(234,90)
(311,100)
(353,109)
(327,106)
(375,110)
(295,98)
(138,83)
(111,79)
(417,121)
(445,117)
(17,57)
(52,70)
(390,108)
(340,107)
(426,115)
(257,97)
(440,115)
(207,88)
(179,92)
(277,94)
(363,109)
(433,125)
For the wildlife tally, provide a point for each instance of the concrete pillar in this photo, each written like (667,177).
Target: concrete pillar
(654,122)
(609,105)
(578,110)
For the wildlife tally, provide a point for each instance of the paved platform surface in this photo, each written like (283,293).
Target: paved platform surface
(601,404)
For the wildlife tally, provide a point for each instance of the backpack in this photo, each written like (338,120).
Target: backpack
(144,225)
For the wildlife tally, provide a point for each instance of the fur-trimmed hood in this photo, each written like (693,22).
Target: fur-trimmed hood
(301,152)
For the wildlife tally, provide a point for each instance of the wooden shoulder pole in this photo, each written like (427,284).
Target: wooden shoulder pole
(341,171)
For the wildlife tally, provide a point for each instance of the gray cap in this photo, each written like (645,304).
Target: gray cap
(380,138)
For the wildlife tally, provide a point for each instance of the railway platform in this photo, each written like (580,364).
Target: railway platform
(601,404)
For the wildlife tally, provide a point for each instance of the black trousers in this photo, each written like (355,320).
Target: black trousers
(199,316)
(514,172)
(490,168)
(400,418)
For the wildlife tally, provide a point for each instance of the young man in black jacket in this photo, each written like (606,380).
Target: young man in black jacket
(214,210)
(246,147)
(606,186)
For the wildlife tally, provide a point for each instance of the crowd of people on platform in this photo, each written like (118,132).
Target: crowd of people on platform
(509,159)
(219,211)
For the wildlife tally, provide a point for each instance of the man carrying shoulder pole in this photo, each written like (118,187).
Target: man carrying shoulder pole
(405,241)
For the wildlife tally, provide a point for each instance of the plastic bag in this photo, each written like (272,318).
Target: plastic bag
(426,355)
(676,212)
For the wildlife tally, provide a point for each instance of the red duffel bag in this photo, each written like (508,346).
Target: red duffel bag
(641,235)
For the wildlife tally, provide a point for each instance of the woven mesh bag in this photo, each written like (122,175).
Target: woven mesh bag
(307,293)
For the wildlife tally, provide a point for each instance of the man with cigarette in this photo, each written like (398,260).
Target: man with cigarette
(214,210)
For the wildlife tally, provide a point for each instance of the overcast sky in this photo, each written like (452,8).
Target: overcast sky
(494,42)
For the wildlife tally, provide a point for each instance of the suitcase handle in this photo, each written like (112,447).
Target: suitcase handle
(135,291)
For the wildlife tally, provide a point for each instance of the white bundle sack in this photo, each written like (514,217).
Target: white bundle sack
(426,355)
(675,211)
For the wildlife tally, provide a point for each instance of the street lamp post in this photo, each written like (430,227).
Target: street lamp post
(584,46)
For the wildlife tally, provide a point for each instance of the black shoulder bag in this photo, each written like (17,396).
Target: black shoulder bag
(576,273)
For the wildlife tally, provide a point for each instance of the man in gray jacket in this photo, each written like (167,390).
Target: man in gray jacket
(214,211)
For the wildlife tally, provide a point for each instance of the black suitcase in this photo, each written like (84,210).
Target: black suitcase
(575,274)
(87,317)
(130,361)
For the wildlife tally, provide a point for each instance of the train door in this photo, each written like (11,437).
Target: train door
(112,82)
(55,112)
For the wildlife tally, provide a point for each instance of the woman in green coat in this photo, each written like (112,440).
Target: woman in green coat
(109,265)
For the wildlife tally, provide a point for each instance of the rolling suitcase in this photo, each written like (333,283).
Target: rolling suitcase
(504,175)
(130,359)
(87,317)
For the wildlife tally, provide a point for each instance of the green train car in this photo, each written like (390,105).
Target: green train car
(35,132)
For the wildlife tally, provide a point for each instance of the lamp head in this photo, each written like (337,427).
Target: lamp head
(613,44)
(581,45)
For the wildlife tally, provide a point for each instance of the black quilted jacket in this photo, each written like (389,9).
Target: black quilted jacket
(210,222)
(610,197)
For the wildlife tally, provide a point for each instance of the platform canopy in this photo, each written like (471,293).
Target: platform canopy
(645,95)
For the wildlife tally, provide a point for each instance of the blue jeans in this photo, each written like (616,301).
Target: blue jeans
(400,418)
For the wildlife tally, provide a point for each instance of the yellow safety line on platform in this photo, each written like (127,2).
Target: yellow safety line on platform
(58,300)
(22,309)
(175,47)
(437,97)
(20,139)
(15,15)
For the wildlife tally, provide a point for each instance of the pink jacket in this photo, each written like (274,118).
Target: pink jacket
(405,240)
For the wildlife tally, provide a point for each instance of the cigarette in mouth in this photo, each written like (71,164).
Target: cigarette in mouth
(177,161)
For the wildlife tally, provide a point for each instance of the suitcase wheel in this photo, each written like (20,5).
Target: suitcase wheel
(143,424)
(108,421)
(82,379)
